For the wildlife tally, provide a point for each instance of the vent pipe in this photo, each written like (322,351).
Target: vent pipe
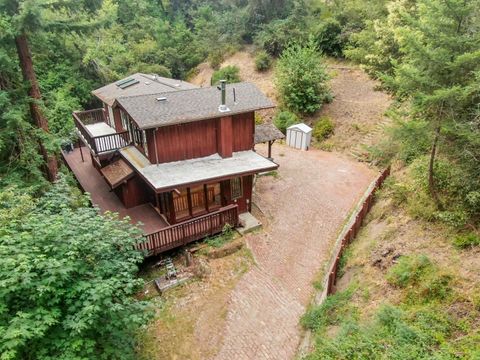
(223,89)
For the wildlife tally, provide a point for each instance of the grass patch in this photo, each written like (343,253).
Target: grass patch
(331,312)
(466,241)
(273,173)
(226,236)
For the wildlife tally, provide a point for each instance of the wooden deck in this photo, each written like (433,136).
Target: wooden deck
(91,181)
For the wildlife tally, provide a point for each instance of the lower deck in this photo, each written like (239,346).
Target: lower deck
(92,182)
(194,212)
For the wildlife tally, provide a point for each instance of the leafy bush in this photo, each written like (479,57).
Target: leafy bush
(467,240)
(215,58)
(68,279)
(230,73)
(302,79)
(323,128)
(285,119)
(328,36)
(408,270)
(263,61)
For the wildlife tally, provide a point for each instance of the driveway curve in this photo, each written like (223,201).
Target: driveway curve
(304,208)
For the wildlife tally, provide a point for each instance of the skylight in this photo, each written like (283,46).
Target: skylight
(127,82)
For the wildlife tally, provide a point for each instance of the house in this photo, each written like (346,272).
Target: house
(182,155)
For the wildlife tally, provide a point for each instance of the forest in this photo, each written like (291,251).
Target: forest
(65,295)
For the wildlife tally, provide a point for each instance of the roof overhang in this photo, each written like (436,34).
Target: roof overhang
(169,176)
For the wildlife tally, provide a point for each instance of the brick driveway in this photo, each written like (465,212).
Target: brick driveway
(305,208)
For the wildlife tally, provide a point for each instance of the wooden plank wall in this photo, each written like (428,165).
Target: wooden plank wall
(243,131)
(202,138)
(183,141)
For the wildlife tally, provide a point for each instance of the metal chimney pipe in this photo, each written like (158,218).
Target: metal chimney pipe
(223,86)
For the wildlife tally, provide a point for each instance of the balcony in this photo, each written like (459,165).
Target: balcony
(97,134)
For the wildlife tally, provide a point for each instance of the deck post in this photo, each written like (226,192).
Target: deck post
(270,149)
(80,147)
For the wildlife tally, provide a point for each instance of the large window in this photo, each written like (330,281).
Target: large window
(214,196)
(236,188)
(124,117)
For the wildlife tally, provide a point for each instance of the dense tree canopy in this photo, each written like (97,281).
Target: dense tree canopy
(68,276)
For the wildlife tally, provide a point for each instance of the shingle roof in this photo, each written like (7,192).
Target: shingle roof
(267,132)
(191,105)
(167,176)
(147,84)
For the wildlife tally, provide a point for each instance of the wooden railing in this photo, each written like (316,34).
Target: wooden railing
(111,142)
(89,117)
(191,230)
(103,143)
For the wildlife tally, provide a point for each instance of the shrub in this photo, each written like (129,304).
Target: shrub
(284,119)
(328,36)
(215,58)
(467,241)
(301,79)
(230,73)
(263,61)
(408,270)
(323,128)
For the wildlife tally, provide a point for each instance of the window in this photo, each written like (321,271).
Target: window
(124,118)
(144,142)
(214,196)
(236,188)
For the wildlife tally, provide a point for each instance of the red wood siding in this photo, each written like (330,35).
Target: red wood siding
(133,192)
(224,136)
(184,141)
(243,129)
(117,120)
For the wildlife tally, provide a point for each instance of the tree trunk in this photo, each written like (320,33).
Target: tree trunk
(431,170)
(29,76)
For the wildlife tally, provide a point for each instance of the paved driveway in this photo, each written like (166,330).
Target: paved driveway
(305,208)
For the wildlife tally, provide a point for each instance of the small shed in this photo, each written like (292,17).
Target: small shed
(299,136)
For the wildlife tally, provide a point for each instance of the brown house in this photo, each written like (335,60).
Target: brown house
(185,152)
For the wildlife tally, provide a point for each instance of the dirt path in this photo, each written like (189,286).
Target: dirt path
(306,206)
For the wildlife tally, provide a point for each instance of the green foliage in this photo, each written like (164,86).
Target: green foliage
(323,128)
(263,61)
(231,73)
(215,58)
(258,119)
(301,79)
(275,36)
(422,279)
(331,312)
(408,270)
(426,53)
(220,240)
(285,119)
(329,38)
(466,241)
(68,278)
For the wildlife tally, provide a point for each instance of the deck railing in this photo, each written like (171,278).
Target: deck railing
(103,143)
(191,230)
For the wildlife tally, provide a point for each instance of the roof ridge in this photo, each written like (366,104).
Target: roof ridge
(156,76)
(182,90)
